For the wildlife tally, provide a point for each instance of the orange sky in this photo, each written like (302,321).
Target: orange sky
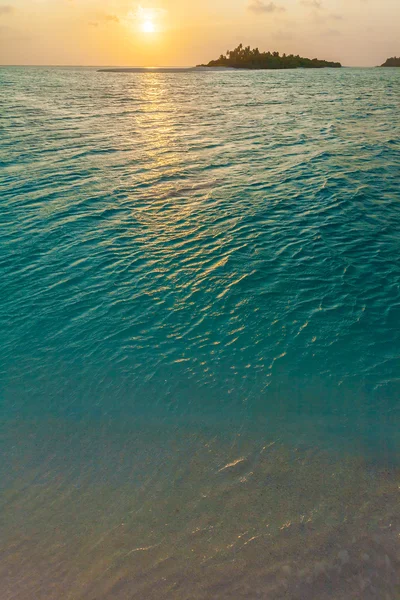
(186,32)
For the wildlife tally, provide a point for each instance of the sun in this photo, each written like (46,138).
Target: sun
(148,27)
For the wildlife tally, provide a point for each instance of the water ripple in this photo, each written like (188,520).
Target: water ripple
(200,239)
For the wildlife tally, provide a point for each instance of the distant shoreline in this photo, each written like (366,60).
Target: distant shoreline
(203,68)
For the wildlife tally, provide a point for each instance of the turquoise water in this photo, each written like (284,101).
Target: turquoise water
(189,259)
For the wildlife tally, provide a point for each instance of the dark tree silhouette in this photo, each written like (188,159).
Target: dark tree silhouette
(245,58)
(392,62)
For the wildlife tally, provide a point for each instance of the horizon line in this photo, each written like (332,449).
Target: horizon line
(110,66)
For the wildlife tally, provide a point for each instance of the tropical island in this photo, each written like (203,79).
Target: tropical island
(245,58)
(392,62)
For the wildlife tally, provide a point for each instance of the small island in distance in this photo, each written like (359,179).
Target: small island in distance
(392,62)
(245,58)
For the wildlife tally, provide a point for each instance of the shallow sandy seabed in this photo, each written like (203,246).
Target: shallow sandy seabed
(118,513)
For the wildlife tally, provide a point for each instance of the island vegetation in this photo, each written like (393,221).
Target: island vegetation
(246,58)
(392,62)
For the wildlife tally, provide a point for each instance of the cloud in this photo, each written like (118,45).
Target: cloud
(111,18)
(260,7)
(317,4)
(332,32)
(104,19)
(320,15)
(282,35)
(143,15)
(6,9)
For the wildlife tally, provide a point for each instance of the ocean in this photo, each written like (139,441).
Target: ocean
(200,334)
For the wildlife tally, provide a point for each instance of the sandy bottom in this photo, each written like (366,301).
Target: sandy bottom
(107,512)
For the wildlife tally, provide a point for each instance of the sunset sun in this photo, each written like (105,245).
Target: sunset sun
(148,27)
